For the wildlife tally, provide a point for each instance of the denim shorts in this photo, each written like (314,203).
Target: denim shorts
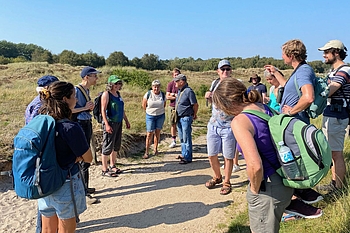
(335,130)
(61,202)
(154,122)
(220,140)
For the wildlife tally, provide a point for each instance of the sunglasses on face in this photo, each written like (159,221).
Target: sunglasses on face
(118,83)
(223,69)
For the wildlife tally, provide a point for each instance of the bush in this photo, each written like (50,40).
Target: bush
(202,90)
(135,77)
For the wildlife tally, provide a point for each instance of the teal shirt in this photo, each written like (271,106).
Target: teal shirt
(115,112)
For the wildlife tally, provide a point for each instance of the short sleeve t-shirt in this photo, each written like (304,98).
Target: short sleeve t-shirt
(70,143)
(342,76)
(185,101)
(304,75)
(155,103)
(171,88)
(219,118)
(261,88)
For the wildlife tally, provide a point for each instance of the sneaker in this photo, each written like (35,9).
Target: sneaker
(309,196)
(172,144)
(299,208)
(235,168)
(91,200)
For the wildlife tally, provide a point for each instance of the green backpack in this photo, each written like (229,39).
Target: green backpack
(308,145)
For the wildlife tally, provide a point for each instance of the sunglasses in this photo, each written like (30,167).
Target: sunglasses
(118,83)
(223,69)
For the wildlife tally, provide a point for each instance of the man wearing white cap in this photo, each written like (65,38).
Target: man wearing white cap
(335,116)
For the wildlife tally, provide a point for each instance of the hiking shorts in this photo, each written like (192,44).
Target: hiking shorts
(172,113)
(154,122)
(266,208)
(220,140)
(335,130)
(61,202)
(112,141)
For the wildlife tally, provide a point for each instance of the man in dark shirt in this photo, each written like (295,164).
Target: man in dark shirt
(186,108)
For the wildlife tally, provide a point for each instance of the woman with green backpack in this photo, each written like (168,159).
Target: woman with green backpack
(266,195)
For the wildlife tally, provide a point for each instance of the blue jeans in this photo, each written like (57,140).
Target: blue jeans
(184,129)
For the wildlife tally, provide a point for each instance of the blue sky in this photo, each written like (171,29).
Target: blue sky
(183,28)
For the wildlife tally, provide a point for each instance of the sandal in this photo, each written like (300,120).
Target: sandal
(214,181)
(145,156)
(115,169)
(226,188)
(109,173)
(179,157)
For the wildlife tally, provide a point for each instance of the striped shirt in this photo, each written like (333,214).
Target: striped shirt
(342,95)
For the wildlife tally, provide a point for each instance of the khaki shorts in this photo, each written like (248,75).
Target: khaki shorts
(172,114)
(335,130)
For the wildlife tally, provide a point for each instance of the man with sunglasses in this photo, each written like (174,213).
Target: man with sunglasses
(83,109)
(220,138)
(335,116)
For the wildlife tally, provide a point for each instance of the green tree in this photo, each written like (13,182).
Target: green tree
(136,62)
(150,61)
(117,59)
(70,57)
(92,59)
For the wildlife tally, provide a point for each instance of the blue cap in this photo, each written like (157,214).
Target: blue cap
(88,70)
(46,80)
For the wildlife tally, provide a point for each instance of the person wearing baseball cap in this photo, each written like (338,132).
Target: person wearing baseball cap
(220,138)
(113,114)
(32,109)
(82,115)
(335,116)
(186,108)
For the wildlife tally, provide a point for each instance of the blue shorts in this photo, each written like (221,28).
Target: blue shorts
(60,203)
(220,140)
(154,122)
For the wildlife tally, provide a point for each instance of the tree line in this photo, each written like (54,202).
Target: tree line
(21,52)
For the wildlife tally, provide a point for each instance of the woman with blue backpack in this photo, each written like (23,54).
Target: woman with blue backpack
(59,210)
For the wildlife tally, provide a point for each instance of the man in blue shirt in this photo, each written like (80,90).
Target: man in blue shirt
(335,116)
(83,108)
(186,108)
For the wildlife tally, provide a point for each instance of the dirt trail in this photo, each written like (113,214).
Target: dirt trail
(154,195)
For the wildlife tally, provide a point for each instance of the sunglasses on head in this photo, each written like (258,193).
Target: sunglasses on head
(223,69)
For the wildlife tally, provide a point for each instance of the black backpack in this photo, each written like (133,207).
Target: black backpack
(96,112)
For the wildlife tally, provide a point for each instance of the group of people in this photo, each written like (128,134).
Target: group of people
(266,207)
(229,131)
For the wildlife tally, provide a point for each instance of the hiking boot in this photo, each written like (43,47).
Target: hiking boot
(309,196)
(172,144)
(235,168)
(299,208)
(91,200)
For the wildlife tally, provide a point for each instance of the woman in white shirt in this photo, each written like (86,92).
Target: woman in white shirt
(154,103)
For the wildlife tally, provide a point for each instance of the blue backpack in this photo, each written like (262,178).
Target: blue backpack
(36,172)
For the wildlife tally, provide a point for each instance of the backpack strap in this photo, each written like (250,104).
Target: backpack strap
(214,84)
(82,89)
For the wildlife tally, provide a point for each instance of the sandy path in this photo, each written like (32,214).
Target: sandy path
(157,195)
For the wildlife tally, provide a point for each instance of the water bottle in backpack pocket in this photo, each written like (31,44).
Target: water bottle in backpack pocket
(289,164)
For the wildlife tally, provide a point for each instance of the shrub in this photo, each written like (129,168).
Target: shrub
(134,77)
